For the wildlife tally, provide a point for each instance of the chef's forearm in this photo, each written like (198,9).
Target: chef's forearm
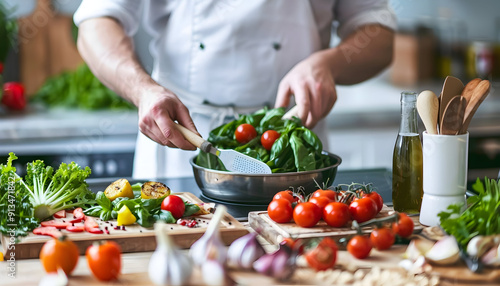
(109,53)
(362,55)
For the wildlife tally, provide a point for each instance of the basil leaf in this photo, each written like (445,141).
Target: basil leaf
(190,209)
(165,216)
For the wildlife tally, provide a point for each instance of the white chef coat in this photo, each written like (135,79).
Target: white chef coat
(227,57)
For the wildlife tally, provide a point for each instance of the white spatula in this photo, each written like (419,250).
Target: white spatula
(234,161)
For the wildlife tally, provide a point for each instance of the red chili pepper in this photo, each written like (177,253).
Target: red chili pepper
(47,230)
(75,228)
(1,67)
(55,223)
(13,96)
(92,226)
(60,214)
(78,215)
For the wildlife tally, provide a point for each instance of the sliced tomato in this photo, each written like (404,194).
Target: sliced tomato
(47,230)
(78,215)
(60,214)
(92,226)
(75,228)
(55,223)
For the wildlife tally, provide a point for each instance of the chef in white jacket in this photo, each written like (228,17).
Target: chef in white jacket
(215,59)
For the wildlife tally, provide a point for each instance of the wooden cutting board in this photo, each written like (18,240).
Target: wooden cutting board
(275,232)
(134,238)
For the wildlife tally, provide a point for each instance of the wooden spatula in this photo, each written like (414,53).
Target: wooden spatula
(453,115)
(452,86)
(469,88)
(478,95)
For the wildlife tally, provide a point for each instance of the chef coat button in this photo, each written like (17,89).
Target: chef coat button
(202,46)
(276,46)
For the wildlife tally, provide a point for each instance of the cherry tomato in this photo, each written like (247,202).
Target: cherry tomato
(336,214)
(244,133)
(359,246)
(404,226)
(280,210)
(287,195)
(382,238)
(306,214)
(323,256)
(267,139)
(59,253)
(363,209)
(13,95)
(321,202)
(175,205)
(332,195)
(104,260)
(377,198)
(293,244)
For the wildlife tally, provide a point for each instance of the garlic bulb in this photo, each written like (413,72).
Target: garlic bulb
(210,246)
(215,274)
(244,251)
(279,264)
(168,265)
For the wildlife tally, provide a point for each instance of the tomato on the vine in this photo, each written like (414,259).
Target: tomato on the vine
(377,198)
(382,238)
(363,209)
(359,246)
(287,195)
(245,133)
(280,210)
(104,260)
(268,138)
(174,205)
(321,202)
(404,227)
(59,253)
(306,214)
(332,195)
(323,256)
(336,214)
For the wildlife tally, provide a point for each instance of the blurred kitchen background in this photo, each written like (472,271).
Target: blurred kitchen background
(71,117)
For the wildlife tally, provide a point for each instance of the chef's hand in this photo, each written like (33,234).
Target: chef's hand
(312,84)
(158,109)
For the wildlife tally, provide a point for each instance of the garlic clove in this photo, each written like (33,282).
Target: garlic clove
(417,248)
(444,252)
(210,245)
(279,264)
(54,279)
(480,244)
(244,251)
(492,256)
(168,265)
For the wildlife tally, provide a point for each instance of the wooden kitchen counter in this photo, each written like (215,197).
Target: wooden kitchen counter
(135,265)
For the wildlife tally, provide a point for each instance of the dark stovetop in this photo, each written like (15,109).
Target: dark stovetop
(380,179)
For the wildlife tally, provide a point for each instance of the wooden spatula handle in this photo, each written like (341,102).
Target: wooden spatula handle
(192,137)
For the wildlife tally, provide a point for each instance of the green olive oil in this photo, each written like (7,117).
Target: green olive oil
(407,164)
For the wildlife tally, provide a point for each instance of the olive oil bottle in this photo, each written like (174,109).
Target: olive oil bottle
(407,162)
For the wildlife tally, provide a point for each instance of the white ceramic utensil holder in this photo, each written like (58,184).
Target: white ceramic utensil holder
(445,174)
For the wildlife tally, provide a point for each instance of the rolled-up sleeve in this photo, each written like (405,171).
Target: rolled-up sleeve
(351,14)
(127,12)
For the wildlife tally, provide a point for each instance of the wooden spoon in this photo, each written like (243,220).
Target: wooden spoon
(451,87)
(469,88)
(478,95)
(428,108)
(453,116)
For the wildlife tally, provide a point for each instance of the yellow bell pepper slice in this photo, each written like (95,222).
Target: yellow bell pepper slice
(119,188)
(125,217)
